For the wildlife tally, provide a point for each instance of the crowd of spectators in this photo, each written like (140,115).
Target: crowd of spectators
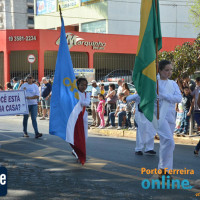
(115,105)
(44,87)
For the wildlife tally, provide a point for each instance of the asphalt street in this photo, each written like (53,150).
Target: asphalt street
(45,169)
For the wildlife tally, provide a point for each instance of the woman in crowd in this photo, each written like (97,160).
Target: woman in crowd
(125,89)
(111,98)
(21,82)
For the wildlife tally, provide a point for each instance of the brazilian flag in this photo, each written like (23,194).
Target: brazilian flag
(144,74)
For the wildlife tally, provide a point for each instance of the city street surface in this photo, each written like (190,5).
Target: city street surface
(44,168)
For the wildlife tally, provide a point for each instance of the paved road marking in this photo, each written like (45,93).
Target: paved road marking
(26,140)
(10,141)
(75,165)
(43,152)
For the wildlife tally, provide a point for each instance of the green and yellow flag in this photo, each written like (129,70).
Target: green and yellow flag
(144,74)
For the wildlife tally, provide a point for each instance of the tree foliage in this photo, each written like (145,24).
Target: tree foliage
(185,58)
(195,12)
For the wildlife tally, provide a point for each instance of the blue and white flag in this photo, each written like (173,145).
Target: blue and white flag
(65,106)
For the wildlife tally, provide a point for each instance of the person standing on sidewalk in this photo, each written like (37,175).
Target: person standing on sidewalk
(111,99)
(128,109)
(94,103)
(195,95)
(101,110)
(32,94)
(187,103)
(16,83)
(45,98)
(119,90)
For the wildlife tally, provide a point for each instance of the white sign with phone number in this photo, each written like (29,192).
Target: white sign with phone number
(13,103)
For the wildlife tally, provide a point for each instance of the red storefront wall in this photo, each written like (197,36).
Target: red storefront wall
(45,40)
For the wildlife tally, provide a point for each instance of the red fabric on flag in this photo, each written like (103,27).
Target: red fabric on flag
(79,139)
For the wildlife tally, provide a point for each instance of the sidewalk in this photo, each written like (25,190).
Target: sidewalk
(188,140)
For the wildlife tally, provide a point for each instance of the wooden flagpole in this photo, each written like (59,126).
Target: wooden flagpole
(157,64)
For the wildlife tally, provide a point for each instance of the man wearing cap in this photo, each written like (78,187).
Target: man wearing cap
(32,95)
(16,84)
(94,103)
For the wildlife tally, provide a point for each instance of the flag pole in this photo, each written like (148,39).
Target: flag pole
(157,64)
(60,12)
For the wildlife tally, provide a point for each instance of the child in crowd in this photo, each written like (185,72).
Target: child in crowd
(101,110)
(120,112)
(128,109)
(187,103)
(102,89)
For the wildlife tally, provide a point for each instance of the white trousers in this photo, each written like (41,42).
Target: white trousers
(145,134)
(167,145)
(140,144)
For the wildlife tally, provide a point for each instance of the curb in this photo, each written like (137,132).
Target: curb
(192,140)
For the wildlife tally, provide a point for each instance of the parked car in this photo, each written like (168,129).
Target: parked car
(124,74)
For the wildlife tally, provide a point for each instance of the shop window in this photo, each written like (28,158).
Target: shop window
(94,27)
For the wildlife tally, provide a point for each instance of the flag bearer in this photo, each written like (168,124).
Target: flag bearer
(80,136)
(169,94)
(145,131)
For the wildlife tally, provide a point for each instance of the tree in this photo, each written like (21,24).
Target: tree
(185,58)
(195,12)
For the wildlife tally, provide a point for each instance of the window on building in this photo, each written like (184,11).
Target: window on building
(94,27)
(30,20)
(30,9)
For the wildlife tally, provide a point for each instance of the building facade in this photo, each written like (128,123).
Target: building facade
(102,52)
(16,14)
(113,17)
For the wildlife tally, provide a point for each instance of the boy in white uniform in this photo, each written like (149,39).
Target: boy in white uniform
(145,131)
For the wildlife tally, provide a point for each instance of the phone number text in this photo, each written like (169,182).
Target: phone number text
(21,38)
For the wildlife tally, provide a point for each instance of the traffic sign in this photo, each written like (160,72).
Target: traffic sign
(31,58)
